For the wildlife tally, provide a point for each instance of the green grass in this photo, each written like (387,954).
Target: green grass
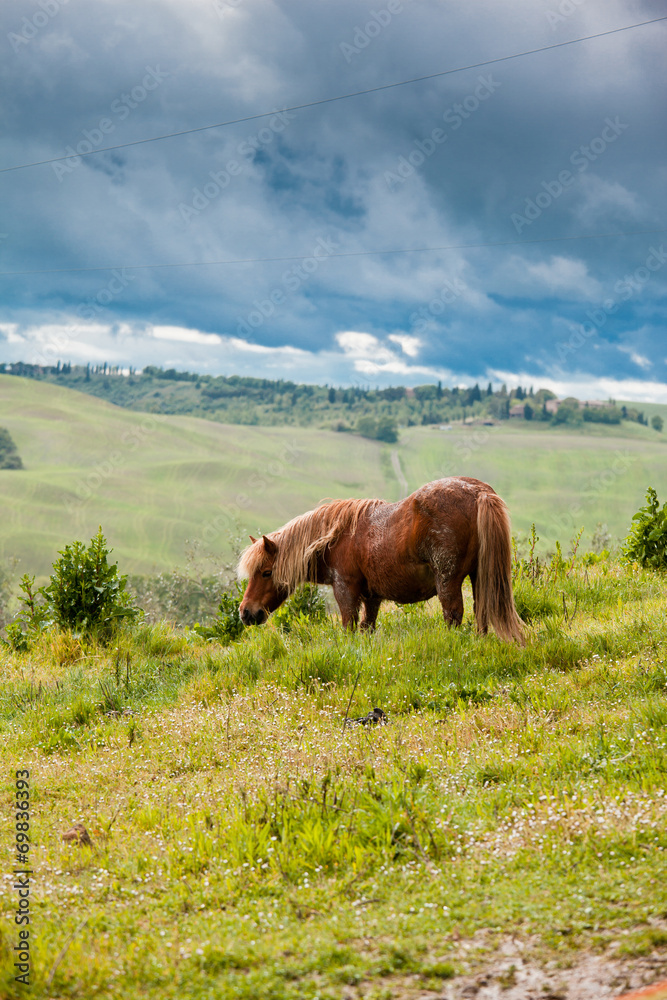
(164,486)
(160,484)
(560,479)
(246,844)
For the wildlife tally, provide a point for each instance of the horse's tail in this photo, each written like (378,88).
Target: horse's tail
(494,600)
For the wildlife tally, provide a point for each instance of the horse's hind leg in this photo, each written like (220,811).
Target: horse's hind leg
(370,612)
(451,599)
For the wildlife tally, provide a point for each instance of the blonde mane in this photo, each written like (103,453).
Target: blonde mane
(303,539)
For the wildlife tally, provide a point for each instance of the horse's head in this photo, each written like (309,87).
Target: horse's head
(262,595)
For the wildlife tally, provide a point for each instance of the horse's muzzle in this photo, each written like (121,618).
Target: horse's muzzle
(253,617)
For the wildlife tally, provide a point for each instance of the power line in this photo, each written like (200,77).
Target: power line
(331,100)
(345,253)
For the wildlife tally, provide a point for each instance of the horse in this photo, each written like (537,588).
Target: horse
(409,551)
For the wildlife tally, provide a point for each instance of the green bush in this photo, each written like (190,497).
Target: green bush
(305,604)
(647,540)
(228,625)
(9,456)
(178,596)
(85,594)
(33,618)
(383,429)
(569,413)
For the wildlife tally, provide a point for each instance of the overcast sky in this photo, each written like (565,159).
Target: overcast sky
(566,142)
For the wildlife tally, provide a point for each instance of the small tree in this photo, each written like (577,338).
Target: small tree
(657,423)
(9,456)
(647,541)
(85,592)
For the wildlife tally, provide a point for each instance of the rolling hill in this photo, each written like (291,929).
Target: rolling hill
(157,484)
(160,484)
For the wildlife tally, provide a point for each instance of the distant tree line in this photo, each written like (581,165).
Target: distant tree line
(374,413)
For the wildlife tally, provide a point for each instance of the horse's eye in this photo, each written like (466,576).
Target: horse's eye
(267,572)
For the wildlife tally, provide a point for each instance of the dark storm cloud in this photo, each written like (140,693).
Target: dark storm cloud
(559,143)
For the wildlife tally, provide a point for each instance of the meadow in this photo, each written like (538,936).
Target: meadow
(503,835)
(164,486)
(160,485)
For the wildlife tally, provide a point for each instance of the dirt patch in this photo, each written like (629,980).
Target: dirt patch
(590,977)
(513,972)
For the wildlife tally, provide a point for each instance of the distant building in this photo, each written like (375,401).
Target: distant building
(552,405)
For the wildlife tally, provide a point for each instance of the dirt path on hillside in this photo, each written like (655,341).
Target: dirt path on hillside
(398,471)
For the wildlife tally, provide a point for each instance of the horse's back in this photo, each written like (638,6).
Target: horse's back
(453,497)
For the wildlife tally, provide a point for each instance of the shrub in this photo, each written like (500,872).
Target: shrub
(305,604)
(228,625)
(647,541)
(85,594)
(602,415)
(177,596)
(9,456)
(6,574)
(383,429)
(33,618)
(569,413)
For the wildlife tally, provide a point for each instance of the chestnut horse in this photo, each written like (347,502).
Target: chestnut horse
(371,551)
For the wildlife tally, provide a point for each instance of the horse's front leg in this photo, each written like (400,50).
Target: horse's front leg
(348,599)
(370,612)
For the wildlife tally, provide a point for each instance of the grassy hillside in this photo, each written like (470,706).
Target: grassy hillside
(507,827)
(159,484)
(156,483)
(561,479)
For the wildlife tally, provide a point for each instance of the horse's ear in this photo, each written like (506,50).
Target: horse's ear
(253,540)
(270,547)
